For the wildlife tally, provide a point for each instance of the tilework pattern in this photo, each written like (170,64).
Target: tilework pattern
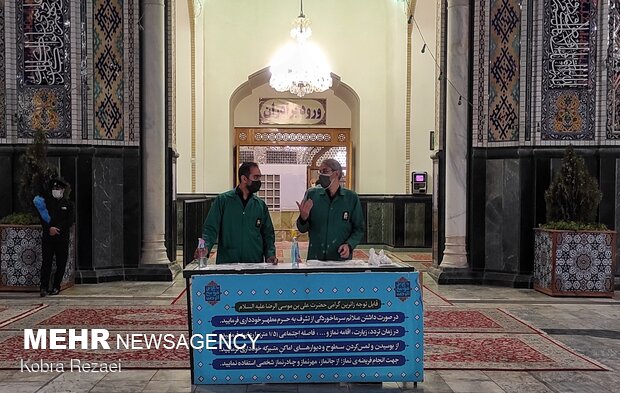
(2,75)
(133,72)
(574,262)
(84,70)
(43,75)
(278,154)
(109,77)
(613,72)
(21,257)
(569,70)
(542,256)
(481,69)
(504,70)
(583,262)
(171,74)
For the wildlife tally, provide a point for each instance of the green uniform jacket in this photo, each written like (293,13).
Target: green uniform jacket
(332,223)
(242,235)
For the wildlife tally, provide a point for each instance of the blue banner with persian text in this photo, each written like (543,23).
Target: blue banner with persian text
(308,328)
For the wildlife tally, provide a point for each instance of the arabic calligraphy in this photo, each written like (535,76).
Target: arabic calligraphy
(310,362)
(569,44)
(315,347)
(308,319)
(308,305)
(44,44)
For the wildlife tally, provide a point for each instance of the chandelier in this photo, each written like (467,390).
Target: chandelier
(300,67)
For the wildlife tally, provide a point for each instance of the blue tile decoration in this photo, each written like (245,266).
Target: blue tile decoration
(108,63)
(2,76)
(43,68)
(569,70)
(613,72)
(504,70)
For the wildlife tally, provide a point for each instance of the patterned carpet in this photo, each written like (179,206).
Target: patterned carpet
(498,351)
(456,338)
(482,320)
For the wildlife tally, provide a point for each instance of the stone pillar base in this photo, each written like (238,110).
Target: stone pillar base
(455,255)
(154,252)
(448,275)
(153,272)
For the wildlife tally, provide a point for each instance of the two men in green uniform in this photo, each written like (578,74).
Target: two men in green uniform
(239,222)
(332,216)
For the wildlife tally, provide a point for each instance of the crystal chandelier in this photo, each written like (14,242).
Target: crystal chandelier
(300,67)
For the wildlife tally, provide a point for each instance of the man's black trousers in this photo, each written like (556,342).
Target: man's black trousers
(60,248)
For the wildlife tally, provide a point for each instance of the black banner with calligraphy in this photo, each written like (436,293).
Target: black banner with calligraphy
(44,82)
(569,70)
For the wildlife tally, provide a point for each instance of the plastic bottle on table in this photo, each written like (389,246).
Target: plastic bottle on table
(202,253)
(295,258)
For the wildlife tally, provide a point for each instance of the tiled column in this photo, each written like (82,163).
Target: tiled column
(455,255)
(152,99)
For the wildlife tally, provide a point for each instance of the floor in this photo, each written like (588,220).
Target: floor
(589,326)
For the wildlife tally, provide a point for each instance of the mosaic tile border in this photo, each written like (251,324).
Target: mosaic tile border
(570,109)
(481,69)
(108,60)
(84,66)
(2,75)
(504,70)
(171,75)
(613,72)
(133,73)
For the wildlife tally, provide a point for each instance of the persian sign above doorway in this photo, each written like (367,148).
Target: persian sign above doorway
(297,111)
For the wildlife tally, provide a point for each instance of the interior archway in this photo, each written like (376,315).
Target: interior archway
(339,89)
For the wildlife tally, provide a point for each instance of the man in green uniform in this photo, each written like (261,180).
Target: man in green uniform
(239,222)
(332,216)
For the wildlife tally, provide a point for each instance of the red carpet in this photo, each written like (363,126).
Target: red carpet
(514,352)
(482,320)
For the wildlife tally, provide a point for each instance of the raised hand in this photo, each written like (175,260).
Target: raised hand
(304,208)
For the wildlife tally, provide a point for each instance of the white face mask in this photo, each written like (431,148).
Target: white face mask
(58,193)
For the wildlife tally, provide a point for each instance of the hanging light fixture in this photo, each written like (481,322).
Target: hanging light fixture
(300,67)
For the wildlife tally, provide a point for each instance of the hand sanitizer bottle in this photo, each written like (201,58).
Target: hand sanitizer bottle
(295,258)
(202,254)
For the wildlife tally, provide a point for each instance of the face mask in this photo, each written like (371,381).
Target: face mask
(57,193)
(325,180)
(254,186)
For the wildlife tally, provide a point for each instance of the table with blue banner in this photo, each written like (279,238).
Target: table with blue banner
(324,322)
